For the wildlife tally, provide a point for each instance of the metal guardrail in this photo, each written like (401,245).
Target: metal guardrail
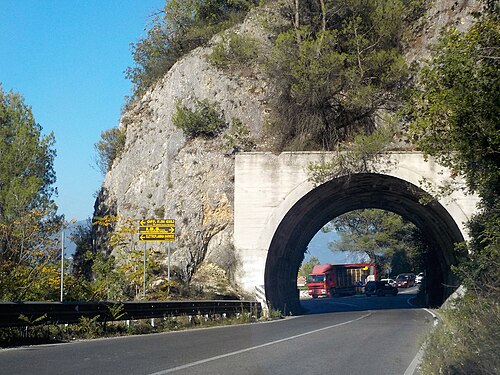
(71,312)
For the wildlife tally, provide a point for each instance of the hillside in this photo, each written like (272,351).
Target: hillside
(165,173)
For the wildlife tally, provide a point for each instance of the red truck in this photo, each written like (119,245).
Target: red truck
(330,279)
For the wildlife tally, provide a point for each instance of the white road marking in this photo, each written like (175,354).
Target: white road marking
(418,358)
(192,364)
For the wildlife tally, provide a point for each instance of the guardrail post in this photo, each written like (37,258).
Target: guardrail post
(260,296)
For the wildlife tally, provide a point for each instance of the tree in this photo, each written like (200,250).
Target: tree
(83,239)
(456,119)
(384,237)
(456,110)
(28,219)
(182,26)
(307,267)
(335,67)
(109,148)
(121,274)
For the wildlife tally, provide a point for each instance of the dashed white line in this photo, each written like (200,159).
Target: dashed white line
(187,365)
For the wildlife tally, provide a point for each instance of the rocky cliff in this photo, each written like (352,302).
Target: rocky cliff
(163,174)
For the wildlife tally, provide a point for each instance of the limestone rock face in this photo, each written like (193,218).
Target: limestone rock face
(441,15)
(162,174)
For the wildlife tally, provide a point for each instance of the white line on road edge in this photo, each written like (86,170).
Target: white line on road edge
(418,358)
(413,365)
(187,365)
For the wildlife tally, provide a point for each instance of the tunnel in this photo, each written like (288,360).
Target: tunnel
(349,193)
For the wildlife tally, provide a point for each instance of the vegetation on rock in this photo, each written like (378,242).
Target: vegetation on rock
(335,65)
(182,26)
(455,118)
(109,148)
(204,120)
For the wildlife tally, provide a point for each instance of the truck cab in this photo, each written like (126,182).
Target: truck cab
(326,280)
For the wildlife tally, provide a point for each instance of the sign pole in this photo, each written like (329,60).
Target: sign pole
(168,268)
(157,230)
(62,265)
(144,267)
(168,272)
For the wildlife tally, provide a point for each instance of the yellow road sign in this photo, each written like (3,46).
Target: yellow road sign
(157,230)
(157,237)
(157,222)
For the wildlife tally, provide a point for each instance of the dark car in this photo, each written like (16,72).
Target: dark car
(380,288)
(405,280)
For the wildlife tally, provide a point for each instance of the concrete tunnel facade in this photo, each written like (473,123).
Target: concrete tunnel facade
(278,211)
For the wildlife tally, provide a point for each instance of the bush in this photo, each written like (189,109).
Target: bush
(183,26)
(234,50)
(109,148)
(467,341)
(238,138)
(204,120)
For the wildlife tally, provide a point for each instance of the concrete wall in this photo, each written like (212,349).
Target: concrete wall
(268,185)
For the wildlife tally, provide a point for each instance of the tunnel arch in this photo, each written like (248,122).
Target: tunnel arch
(341,195)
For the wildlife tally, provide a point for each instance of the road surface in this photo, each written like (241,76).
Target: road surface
(345,335)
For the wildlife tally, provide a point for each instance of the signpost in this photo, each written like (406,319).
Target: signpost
(156,230)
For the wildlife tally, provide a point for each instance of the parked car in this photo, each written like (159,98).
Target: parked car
(405,280)
(419,278)
(391,282)
(380,288)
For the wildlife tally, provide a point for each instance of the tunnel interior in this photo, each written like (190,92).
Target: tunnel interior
(349,193)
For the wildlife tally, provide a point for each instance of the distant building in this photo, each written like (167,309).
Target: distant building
(301,281)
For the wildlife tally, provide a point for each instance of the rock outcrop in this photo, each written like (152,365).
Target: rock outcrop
(163,174)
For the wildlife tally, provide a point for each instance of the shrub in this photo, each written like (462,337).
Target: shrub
(234,50)
(109,148)
(204,120)
(469,335)
(181,27)
(238,137)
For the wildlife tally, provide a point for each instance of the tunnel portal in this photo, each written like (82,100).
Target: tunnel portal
(340,196)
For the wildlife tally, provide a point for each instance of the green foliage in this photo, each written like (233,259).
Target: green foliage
(238,138)
(204,120)
(307,267)
(89,328)
(83,239)
(108,283)
(480,270)
(455,118)
(116,311)
(109,148)
(181,27)
(336,65)
(26,163)
(120,275)
(30,321)
(234,50)
(28,219)
(359,156)
(275,314)
(456,111)
(382,236)
(467,340)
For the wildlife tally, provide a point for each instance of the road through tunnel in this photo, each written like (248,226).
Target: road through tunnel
(350,193)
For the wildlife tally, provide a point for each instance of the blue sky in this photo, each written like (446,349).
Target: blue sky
(67,58)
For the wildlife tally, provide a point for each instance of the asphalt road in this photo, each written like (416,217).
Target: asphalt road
(345,335)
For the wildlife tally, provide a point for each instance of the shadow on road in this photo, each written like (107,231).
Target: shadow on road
(406,299)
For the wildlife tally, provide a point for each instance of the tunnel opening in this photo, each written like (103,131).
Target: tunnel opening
(349,193)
